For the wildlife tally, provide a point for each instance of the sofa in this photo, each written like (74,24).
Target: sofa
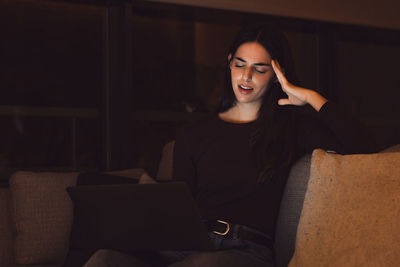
(36,213)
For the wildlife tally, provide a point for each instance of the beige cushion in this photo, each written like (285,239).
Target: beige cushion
(351,213)
(42,212)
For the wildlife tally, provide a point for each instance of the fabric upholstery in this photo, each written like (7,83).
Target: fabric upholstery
(42,213)
(351,212)
(290,210)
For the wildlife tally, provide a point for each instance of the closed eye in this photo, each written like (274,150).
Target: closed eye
(261,71)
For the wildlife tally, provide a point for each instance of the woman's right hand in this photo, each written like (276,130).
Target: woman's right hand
(298,96)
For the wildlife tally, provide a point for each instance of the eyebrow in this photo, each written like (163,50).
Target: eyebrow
(256,64)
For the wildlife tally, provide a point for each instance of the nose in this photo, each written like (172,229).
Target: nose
(247,74)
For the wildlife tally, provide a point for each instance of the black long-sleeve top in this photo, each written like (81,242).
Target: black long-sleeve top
(214,158)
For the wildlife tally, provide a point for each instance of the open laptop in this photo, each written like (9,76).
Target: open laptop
(137,217)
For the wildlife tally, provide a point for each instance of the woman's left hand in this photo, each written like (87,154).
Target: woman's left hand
(297,95)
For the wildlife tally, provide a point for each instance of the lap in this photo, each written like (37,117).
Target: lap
(113,258)
(229,257)
(252,255)
(230,252)
(222,258)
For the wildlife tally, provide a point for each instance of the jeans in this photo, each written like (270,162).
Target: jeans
(230,251)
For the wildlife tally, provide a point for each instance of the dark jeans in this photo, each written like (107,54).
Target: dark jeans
(229,252)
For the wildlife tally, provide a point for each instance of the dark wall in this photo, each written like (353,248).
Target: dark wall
(74,75)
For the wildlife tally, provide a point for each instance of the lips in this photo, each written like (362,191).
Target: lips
(245,89)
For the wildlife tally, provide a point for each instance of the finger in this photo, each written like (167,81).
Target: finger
(284,101)
(276,66)
(278,71)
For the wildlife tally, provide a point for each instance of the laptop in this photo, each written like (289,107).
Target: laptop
(137,217)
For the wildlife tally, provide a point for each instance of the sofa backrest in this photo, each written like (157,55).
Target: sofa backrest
(290,210)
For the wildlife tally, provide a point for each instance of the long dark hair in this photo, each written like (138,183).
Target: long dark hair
(272,139)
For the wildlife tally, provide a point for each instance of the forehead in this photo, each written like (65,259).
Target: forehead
(253,52)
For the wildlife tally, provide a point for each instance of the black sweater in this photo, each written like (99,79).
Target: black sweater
(213,157)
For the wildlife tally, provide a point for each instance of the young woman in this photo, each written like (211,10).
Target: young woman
(236,162)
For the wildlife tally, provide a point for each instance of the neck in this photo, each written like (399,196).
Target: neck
(241,113)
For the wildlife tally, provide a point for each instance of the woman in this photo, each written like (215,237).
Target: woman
(236,163)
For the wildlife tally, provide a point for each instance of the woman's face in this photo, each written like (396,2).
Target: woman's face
(251,73)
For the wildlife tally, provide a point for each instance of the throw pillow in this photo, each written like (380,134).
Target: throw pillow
(42,213)
(351,212)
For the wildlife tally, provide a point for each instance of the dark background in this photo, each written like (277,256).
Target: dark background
(101,85)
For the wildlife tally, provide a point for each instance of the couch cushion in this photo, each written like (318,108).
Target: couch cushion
(42,213)
(351,212)
(290,210)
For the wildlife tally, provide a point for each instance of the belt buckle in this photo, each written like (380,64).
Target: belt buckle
(228,227)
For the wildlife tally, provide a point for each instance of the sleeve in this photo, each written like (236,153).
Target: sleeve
(336,130)
(183,164)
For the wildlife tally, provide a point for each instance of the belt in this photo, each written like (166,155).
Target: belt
(226,229)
